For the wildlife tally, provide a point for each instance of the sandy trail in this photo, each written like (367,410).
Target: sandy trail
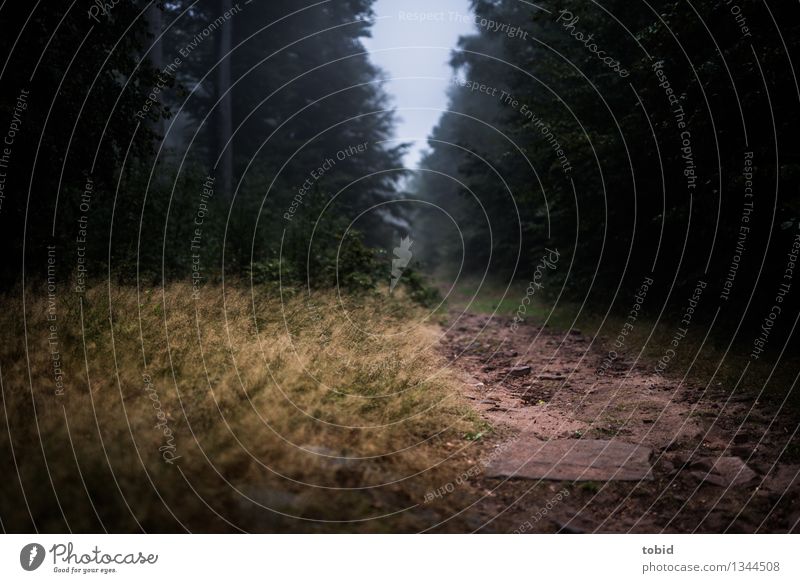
(623,451)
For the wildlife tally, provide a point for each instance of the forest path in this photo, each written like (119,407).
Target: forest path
(573,450)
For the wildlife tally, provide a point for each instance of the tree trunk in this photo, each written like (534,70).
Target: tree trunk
(154,23)
(224,108)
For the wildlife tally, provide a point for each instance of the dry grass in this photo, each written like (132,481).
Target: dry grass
(267,399)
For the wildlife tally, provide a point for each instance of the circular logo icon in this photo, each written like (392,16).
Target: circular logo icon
(31,556)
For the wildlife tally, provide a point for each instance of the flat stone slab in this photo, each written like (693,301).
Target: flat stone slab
(571,459)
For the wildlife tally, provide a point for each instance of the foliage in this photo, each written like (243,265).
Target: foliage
(86,83)
(634,200)
(312,132)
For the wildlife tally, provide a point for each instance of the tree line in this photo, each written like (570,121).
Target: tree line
(198,125)
(639,140)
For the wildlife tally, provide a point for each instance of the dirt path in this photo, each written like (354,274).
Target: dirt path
(626,450)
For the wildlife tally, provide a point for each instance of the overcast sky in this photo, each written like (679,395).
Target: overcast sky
(413,38)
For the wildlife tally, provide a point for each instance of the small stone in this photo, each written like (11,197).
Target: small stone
(723,471)
(519,371)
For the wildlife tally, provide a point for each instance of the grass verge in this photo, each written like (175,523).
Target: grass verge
(233,410)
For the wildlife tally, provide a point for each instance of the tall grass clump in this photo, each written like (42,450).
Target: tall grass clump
(223,409)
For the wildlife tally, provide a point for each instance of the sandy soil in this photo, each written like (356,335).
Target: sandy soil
(717,460)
